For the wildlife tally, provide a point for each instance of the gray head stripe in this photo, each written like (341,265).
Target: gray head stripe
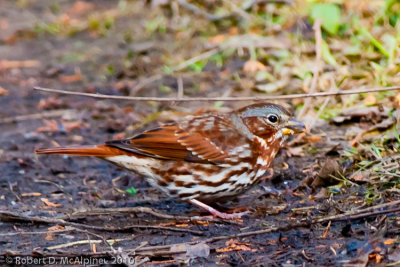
(262,111)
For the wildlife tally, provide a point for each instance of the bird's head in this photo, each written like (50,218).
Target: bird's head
(268,120)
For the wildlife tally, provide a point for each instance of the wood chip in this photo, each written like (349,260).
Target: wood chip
(49,203)
(3,91)
(31,194)
(13,64)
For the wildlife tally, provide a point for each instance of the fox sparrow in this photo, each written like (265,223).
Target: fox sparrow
(205,158)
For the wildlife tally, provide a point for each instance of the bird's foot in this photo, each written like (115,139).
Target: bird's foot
(217,213)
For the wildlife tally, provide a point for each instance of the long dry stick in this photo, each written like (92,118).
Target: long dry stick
(12,216)
(317,69)
(36,116)
(193,60)
(165,250)
(132,210)
(203,99)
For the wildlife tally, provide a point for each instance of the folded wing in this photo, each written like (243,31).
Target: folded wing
(204,139)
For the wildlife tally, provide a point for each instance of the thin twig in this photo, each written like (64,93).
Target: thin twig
(200,12)
(245,7)
(249,4)
(345,217)
(286,227)
(143,82)
(248,98)
(180,87)
(324,104)
(36,116)
(39,232)
(82,242)
(241,12)
(11,216)
(96,235)
(193,60)
(317,69)
(131,210)
(376,207)
(164,250)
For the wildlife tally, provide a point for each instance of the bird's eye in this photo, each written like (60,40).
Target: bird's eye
(272,118)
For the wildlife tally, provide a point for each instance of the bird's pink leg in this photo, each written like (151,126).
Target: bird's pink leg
(216,213)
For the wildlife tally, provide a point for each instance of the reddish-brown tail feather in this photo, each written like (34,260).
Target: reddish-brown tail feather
(95,151)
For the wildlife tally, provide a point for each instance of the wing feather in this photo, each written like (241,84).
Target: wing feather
(195,139)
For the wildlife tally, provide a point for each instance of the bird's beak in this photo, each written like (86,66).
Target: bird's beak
(293,127)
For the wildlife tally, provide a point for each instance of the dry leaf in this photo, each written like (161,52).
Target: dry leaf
(13,64)
(236,245)
(217,39)
(71,78)
(184,225)
(362,176)
(56,228)
(201,250)
(3,91)
(330,167)
(397,100)
(256,41)
(313,138)
(374,114)
(49,203)
(80,7)
(233,31)
(55,126)
(296,151)
(50,103)
(252,66)
(389,241)
(50,126)
(272,86)
(370,100)
(322,194)
(49,236)
(119,136)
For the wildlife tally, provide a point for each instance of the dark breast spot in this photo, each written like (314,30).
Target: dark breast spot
(180,183)
(238,172)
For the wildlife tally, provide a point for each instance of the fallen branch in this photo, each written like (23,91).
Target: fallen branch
(6,216)
(304,223)
(133,210)
(246,98)
(38,232)
(165,250)
(37,116)
(111,211)
(83,242)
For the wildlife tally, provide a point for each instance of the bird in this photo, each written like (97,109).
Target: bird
(202,159)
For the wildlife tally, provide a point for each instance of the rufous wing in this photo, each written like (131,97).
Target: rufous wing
(183,142)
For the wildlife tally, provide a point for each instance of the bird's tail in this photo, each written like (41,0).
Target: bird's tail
(95,151)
